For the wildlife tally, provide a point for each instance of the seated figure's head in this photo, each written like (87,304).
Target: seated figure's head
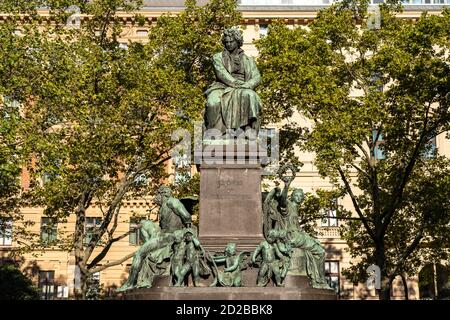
(163,192)
(232,39)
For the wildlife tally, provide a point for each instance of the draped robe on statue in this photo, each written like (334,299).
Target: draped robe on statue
(228,107)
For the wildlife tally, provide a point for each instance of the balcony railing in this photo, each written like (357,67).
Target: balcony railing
(329,232)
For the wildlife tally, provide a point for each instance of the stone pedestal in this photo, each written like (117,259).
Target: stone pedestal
(231,211)
(230,206)
(230,194)
(296,288)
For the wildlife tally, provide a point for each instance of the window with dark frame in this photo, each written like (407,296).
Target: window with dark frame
(330,219)
(430,149)
(91,223)
(141,180)
(135,236)
(11,106)
(378,139)
(332,274)
(52,175)
(429,152)
(47,285)
(49,229)
(263,28)
(6,229)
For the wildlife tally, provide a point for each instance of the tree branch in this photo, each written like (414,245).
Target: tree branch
(355,204)
(398,194)
(105,249)
(111,264)
(409,250)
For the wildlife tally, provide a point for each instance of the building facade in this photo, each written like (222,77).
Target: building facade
(54,271)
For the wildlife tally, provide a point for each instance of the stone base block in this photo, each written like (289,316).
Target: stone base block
(296,288)
(229,293)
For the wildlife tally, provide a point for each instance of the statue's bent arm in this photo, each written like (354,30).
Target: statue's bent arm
(222,74)
(256,253)
(255,78)
(278,252)
(234,266)
(197,245)
(220,259)
(270,197)
(180,210)
(284,197)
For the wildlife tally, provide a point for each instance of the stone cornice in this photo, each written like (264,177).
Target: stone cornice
(255,14)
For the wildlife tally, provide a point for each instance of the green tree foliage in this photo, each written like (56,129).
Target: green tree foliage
(14,90)
(14,285)
(98,118)
(374,98)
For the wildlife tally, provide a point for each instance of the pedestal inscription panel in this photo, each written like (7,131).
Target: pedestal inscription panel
(230,206)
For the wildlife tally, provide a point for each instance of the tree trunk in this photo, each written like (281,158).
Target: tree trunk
(83,282)
(80,293)
(405,286)
(79,235)
(384,292)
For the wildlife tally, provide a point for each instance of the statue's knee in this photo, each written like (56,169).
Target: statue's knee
(213,101)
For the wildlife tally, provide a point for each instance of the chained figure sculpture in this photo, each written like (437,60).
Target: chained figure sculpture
(172,213)
(148,260)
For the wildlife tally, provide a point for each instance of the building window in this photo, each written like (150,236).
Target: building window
(47,284)
(53,173)
(135,237)
(330,219)
(263,28)
(182,176)
(378,140)
(332,274)
(49,229)
(182,169)
(141,180)
(141,33)
(430,149)
(425,1)
(375,82)
(6,232)
(90,225)
(288,2)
